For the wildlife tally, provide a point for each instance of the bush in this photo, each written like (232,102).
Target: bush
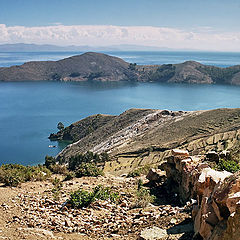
(59,169)
(143,196)
(49,160)
(82,198)
(14,174)
(105,193)
(137,172)
(228,165)
(74,74)
(132,66)
(88,157)
(69,176)
(88,169)
(57,187)
(56,77)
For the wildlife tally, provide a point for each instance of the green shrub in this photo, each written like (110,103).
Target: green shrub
(105,193)
(88,169)
(228,165)
(49,160)
(74,74)
(142,196)
(69,176)
(88,157)
(56,77)
(57,187)
(137,172)
(59,169)
(132,66)
(163,73)
(14,174)
(82,198)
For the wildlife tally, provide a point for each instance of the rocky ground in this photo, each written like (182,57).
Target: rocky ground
(31,212)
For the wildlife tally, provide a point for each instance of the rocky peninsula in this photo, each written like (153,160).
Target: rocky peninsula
(92,66)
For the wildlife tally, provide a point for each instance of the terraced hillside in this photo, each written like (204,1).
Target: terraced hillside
(139,137)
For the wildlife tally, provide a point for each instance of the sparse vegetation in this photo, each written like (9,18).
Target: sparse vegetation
(79,166)
(74,74)
(163,73)
(88,157)
(56,77)
(228,165)
(54,167)
(104,193)
(219,75)
(69,176)
(88,169)
(94,75)
(57,187)
(132,66)
(60,126)
(143,196)
(82,198)
(14,174)
(58,169)
(49,160)
(137,172)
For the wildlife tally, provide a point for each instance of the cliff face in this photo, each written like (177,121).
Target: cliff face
(101,67)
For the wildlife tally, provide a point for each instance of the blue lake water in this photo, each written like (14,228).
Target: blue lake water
(30,111)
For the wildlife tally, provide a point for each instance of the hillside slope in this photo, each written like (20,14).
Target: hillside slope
(139,137)
(88,66)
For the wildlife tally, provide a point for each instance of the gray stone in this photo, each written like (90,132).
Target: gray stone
(153,233)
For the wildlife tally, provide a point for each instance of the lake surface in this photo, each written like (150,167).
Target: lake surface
(30,111)
(220,59)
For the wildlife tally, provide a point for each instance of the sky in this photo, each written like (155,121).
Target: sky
(178,24)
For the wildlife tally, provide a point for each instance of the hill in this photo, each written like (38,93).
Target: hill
(139,137)
(88,66)
(92,66)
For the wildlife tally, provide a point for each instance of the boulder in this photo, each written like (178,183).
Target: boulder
(155,175)
(153,233)
(233,230)
(217,194)
(212,156)
(180,152)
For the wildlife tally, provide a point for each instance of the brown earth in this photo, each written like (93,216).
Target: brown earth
(30,212)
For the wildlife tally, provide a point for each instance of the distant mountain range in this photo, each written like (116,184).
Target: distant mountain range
(22,47)
(93,66)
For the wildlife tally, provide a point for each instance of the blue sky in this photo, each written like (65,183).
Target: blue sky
(190,16)
(219,14)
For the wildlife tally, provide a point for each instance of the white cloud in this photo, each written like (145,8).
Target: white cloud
(202,38)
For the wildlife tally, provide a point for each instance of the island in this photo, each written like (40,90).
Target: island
(93,66)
